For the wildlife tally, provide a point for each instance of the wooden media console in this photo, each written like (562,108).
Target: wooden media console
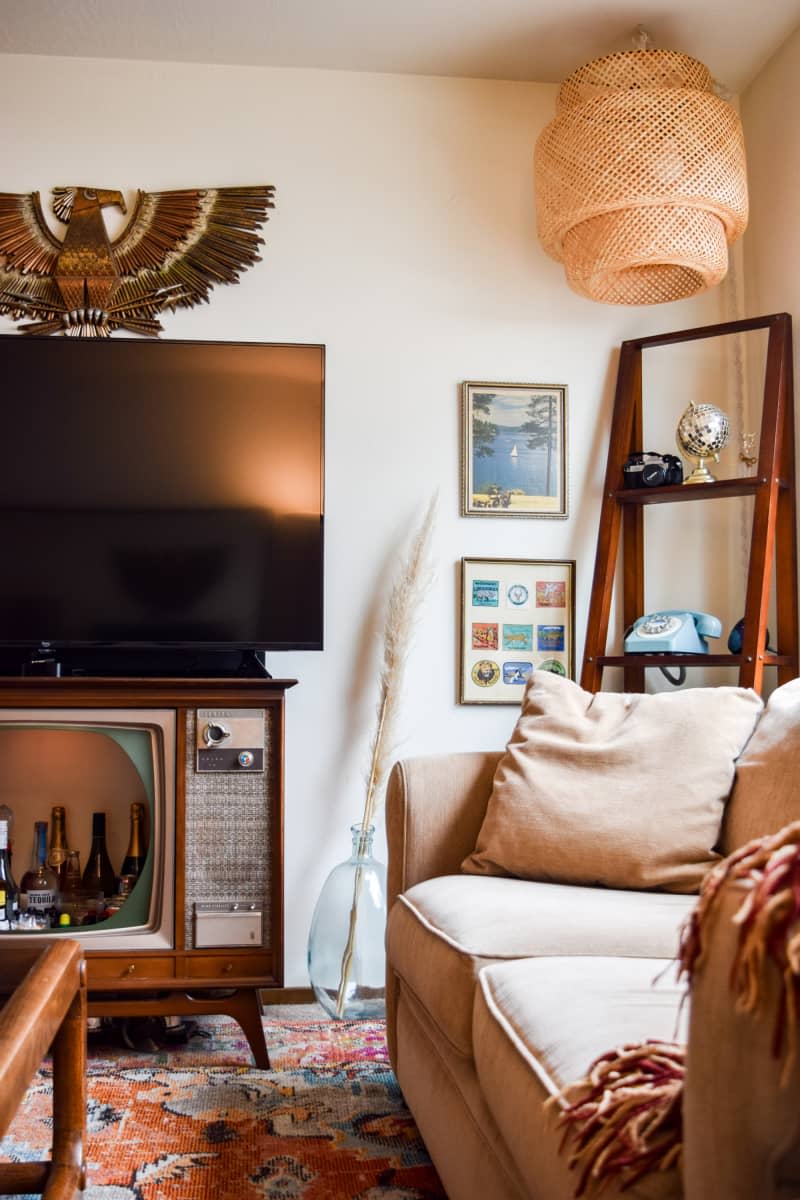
(216,938)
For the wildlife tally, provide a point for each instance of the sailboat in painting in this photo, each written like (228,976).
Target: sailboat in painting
(514,450)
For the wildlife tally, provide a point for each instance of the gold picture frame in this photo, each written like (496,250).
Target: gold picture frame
(514,450)
(517,616)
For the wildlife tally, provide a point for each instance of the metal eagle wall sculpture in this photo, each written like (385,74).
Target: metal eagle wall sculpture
(174,249)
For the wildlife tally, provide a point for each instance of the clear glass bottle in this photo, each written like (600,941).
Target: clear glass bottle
(39,886)
(72,874)
(137,849)
(98,874)
(71,902)
(346,957)
(9,893)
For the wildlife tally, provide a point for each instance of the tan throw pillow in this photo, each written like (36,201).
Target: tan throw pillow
(623,790)
(766,795)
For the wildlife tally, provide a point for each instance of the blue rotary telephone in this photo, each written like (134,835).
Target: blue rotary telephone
(674,631)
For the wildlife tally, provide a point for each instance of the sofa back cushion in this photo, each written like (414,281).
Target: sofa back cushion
(766,793)
(620,790)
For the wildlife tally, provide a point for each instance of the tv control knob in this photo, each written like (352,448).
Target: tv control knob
(215,734)
(246,758)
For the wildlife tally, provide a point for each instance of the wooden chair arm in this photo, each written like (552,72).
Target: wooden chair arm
(46,1008)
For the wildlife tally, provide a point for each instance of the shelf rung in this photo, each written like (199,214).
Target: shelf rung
(685,660)
(676,493)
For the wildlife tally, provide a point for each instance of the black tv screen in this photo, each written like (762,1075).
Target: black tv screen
(161,494)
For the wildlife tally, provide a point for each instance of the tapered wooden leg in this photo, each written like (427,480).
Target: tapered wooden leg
(245,1008)
(242,1004)
(69,1099)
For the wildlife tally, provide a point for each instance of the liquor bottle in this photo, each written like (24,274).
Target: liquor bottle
(71,905)
(137,850)
(57,856)
(39,885)
(9,895)
(72,874)
(7,815)
(98,874)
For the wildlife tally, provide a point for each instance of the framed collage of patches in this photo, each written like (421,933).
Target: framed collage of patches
(517,615)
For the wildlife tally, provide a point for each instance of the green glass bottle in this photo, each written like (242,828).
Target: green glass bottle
(98,874)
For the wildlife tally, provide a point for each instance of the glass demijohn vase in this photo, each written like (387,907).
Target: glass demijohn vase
(346,957)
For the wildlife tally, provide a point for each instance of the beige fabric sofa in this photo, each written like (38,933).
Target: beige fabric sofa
(501,991)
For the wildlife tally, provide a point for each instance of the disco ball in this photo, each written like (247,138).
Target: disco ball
(702,432)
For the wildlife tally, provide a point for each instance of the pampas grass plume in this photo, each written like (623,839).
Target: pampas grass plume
(413,579)
(412,582)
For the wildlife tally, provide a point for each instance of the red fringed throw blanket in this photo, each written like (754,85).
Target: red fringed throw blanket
(769,928)
(624,1119)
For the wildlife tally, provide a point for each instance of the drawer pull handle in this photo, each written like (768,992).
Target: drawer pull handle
(129,970)
(228,968)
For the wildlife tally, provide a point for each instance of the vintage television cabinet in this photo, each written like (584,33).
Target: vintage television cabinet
(206,934)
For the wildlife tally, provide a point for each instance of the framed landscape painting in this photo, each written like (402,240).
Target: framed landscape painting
(517,616)
(514,450)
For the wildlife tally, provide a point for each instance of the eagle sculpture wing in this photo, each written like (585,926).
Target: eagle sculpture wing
(28,256)
(175,248)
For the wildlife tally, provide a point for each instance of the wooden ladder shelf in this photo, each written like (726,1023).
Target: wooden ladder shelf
(773,539)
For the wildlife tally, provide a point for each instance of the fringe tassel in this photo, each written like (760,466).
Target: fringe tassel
(624,1119)
(769,928)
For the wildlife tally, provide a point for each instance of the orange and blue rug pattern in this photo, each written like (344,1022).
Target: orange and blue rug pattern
(198,1122)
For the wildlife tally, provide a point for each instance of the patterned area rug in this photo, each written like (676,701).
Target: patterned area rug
(198,1122)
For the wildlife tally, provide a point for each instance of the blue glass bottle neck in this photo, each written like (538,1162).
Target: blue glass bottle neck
(41,843)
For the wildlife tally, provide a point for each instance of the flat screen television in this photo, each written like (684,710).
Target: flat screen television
(161,503)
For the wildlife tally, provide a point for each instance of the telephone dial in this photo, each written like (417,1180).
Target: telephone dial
(674,631)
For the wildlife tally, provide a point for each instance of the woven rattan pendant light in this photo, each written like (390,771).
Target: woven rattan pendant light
(640,179)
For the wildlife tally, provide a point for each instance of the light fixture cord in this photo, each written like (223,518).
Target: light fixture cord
(641,39)
(733,310)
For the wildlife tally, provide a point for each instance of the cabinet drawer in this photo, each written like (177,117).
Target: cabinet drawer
(219,966)
(130,966)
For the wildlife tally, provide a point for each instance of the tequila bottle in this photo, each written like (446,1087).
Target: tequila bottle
(39,885)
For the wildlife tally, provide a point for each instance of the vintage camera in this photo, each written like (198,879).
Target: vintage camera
(648,469)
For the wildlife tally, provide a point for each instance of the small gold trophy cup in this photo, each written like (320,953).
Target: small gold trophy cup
(702,432)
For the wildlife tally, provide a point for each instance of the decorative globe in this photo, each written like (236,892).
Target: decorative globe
(702,432)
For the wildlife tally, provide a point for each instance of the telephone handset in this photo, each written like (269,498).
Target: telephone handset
(674,631)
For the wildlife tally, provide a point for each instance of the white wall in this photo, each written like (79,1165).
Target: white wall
(772,246)
(403,239)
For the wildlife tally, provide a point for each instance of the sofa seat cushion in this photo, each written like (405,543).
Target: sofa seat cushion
(539,1023)
(443,931)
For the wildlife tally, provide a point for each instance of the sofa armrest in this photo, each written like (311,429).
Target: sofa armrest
(741,1134)
(435,807)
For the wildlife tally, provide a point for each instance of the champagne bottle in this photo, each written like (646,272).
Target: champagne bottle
(137,850)
(57,856)
(39,885)
(9,895)
(98,874)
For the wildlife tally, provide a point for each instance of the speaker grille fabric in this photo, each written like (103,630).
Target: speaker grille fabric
(229,849)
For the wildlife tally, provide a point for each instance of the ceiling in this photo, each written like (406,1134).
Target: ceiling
(492,39)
